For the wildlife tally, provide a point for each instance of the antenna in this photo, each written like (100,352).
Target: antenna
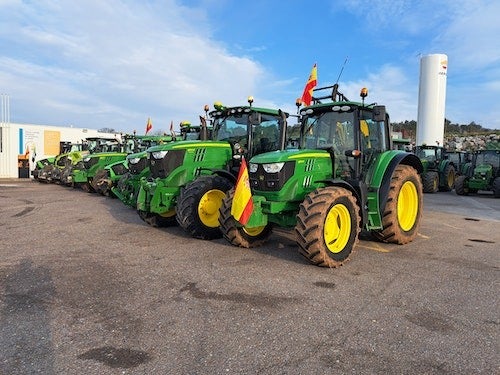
(342,69)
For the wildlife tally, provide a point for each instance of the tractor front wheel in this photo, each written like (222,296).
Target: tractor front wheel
(449,178)
(461,186)
(198,206)
(430,181)
(403,208)
(496,187)
(328,225)
(239,235)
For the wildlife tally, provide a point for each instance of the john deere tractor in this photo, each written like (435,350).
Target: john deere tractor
(189,179)
(343,178)
(108,176)
(484,174)
(127,187)
(439,172)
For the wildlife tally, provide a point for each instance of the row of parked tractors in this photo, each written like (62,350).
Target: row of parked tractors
(328,176)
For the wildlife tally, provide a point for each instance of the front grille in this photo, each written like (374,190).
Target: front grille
(119,169)
(260,180)
(92,161)
(138,167)
(163,167)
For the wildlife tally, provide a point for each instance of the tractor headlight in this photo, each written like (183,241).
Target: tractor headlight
(134,160)
(273,167)
(252,168)
(159,154)
(87,159)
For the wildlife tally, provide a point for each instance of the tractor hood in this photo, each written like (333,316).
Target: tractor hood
(286,155)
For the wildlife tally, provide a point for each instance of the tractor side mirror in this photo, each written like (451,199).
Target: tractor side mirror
(379,113)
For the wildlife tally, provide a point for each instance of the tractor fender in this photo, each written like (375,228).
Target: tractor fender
(226,174)
(359,194)
(390,165)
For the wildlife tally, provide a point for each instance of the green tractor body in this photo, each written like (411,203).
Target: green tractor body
(40,165)
(484,174)
(439,172)
(127,187)
(344,177)
(189,179)
(71,153)
(108,176)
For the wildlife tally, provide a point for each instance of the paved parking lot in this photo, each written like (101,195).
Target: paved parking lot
(87,288)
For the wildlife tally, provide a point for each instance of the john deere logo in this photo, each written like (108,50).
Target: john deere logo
(261,178)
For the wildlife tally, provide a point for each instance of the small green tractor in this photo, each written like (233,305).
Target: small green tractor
(40,165)
(108,176)
(484,174)
(83,173)
(189,179)
(343,178)
(439,172)
(69,153)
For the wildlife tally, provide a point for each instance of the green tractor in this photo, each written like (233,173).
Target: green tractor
(109,175)
(484,174)
(343,178)
(69,153)
(189,179)
(40,165)
(439,172)
(82,174)
(127,187)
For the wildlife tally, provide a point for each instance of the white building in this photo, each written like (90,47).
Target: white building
(23,144)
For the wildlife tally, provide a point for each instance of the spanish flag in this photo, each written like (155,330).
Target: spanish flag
(149,125)
(242,205)
(310,85)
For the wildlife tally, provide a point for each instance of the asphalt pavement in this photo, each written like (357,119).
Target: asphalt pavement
(86,287)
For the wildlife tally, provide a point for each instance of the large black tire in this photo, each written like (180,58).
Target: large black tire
(403,208)
(98,180)
(496,187)
(198,206)
(328,226)
(448,178)
(156,220)
(236,234)
(430,182)
(461,186)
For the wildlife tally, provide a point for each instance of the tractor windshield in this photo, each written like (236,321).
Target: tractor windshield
(492,158)
(329,130)
(265,131)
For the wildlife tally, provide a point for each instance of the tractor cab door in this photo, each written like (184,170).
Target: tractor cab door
(374,138)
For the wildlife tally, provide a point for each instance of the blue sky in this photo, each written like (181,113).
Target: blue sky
(114,63)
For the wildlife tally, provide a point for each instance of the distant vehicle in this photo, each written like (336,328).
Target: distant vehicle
(484,174)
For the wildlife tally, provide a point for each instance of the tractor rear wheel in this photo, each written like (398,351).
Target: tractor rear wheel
(496,187)
(239,235)
(198,206)
(449,178)
(403,208)
(430,181)
(461,186)
(155,220)
(328,226)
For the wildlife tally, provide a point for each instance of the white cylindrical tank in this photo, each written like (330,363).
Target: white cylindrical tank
(431,100)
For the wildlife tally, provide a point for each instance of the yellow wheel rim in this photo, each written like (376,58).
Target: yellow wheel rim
(451,179)
(407,206)
(168,213)
(337,229)
(208,208)
(253,232)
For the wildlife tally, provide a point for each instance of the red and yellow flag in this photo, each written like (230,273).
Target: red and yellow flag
(149,125)
(310,85)
(242,205)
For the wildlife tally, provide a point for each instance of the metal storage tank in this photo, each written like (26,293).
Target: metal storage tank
(431,100)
